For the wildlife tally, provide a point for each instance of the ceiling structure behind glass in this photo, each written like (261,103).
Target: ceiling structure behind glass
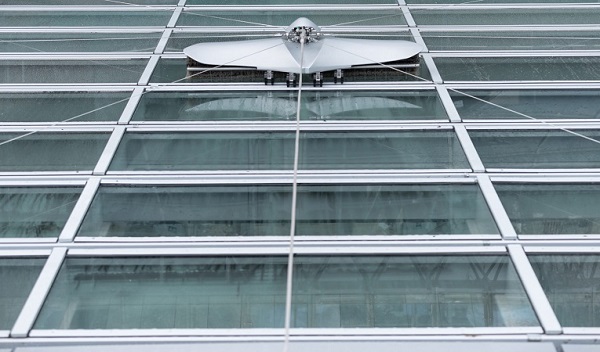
(449,196)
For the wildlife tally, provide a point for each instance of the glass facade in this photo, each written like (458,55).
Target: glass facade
(452,196)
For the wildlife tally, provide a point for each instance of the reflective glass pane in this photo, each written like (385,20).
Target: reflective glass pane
(166,293)
(277,105)
(392,210)
(43,151)
(409,291)
(205,151)
(507,16)
(71,71)
(387,17)
(88,2)
(275,150)
(537,149)
(519,69)
(538,104)
(512,40)
(62,106)
(571,283)
(175,71)
(189,211)
(78,42)
(284,2)
(552,208)
(381,150)
(17,276)
(498,1)
(84,18)
(35,211)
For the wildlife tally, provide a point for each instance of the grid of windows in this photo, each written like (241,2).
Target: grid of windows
(140,200)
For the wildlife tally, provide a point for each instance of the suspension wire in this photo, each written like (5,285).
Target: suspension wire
(233,19)
(133,96)
(473,97)
(290,263)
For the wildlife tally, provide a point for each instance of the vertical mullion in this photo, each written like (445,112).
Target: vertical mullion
(469,149)
(81,207)
(38,294)
(534,290)
(109,150)
(496,208)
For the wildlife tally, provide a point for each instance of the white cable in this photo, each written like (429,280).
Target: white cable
(473,97)
(290,268)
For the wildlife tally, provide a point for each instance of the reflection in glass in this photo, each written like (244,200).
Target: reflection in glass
(87,2)
(493,1)
(537,149)
(17,276)
(275,150)
(409,291)
(571,283)
(277,105)
(71,71)
(189,211)
(84,18)
(512,40)
(552,208)
(386,17)
(205,151)
(556,68)
(265,211)
(35,211)
(381,150)
(284,2)
(508,16)
(62,106)
(166,293)
(46,151)
(392,210)
(78,42)
(539,104)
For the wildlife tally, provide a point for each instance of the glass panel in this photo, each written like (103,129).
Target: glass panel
(17,275)
(381,150)
(275,150)
(571,283)
(71,71)
(392,210)
(175,71)
(519,69)
(387,17)
(537,149)
(277,105)
(35,211)
(189,211)
(88,2)
(62,106)
(409,291)
(167,293)
(539,104)
(552,208)
(507,16)
(78,42)
(512,40)
(497,1)
(284,2)
(205,151)
(44,151)
(84,18)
